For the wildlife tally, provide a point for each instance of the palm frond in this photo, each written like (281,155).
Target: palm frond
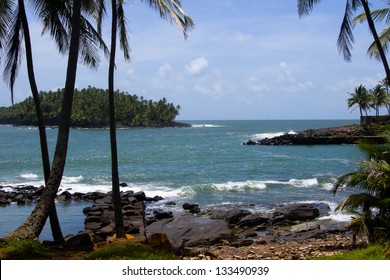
(304,7)
(384,38)
(5,19)
(346,39)
(171,10)
(122,25)
(354,201)
(13,52)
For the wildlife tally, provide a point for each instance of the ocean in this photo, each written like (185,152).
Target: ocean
(204,164)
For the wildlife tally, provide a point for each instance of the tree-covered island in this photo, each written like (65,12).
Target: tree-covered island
(90,109)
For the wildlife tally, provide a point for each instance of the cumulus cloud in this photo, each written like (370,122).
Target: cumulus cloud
(197,66)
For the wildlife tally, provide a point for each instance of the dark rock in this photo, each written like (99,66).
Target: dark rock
(294,212)
(81,239)
(139,196)
(39,191)
(189,206)
(194,231)
(107,230)
(104,200)
(232,216)
(195,210)
(170,203)
(163,215)
(64,196)
(93,225)
(255,219)
(123,185)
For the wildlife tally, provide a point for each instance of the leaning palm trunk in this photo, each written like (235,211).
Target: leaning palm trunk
(116,198)
(54,223)
(376,39)
(34,224)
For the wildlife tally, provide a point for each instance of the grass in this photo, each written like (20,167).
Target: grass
(22,249)
(128,250)
(374,252)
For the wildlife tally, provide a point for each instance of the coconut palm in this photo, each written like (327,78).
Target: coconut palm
(346,38)
(372,206)
(34,224)
(14,35)
(169,9)
(361,98)
(377,15)
(55,15)
(378,98)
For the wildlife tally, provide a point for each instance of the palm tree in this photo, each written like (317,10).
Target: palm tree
(34,224)
(372,206)
(15,32)
(346,38)
(360,98)
(378,98)
(377,15)
(169,9)
(54,15)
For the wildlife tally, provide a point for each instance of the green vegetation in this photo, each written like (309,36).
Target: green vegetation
(127,250)
(375,252)
(90,109)
(374,98)
(371,207)
(25,249)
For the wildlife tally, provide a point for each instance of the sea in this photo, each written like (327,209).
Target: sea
(206,164)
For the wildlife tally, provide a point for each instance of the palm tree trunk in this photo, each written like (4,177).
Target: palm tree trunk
(54,222)
(34,224)
(376,38)
(119,227)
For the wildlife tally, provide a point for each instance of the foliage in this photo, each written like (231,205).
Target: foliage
(372,206)
(90,109)
(21,249)
(374,98)
(128,250)
(375,252)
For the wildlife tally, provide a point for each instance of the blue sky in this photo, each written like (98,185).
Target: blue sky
(251,59)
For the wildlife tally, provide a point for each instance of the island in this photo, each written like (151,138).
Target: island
(90,110)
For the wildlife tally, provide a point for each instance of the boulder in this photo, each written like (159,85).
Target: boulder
(253,220)
(294,212)
(64,196)
(232,216)
(193,231)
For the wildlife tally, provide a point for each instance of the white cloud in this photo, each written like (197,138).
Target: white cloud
(165,71)
(239,37)
(256,85)
(197,66)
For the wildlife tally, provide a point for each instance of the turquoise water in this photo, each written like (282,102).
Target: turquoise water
(206,164)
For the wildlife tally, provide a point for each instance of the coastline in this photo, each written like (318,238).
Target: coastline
(298,231)
(347,134)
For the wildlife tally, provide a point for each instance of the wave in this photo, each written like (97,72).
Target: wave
(260,136)
(206,125)
(29,176)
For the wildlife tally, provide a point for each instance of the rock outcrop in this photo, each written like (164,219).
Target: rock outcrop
(348,134)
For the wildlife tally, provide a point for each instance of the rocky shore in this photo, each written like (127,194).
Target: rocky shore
(348,134)
(291,231)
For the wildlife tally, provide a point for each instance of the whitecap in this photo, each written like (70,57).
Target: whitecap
(30,176)
(260,136)
(240,186)
(206,125)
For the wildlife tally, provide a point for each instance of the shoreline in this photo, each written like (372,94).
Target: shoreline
(347,134)
(288,232)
